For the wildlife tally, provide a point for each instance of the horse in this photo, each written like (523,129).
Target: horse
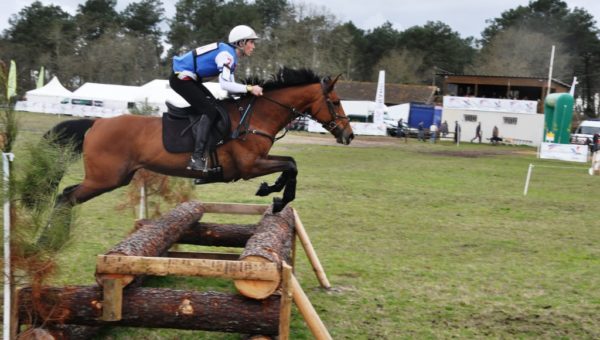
(115,148)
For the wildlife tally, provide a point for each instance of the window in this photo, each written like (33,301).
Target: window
(470,118)
(81,102)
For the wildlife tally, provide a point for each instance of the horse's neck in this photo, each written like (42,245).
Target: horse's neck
(293,98)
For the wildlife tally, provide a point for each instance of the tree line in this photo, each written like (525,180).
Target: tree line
(100,44)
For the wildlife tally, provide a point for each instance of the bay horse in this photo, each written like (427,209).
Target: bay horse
(115,148)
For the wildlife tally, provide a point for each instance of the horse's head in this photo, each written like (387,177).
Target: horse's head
(328,111)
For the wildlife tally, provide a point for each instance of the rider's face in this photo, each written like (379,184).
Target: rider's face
(248,47)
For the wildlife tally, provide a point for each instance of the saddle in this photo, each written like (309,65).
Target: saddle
(177,132)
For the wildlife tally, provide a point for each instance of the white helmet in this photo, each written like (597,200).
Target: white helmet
(241,32)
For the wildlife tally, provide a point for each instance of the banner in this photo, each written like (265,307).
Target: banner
(11,85)
(490,104)
(564,152)
(40,80)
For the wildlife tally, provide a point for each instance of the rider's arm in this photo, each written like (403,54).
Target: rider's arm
(226,78)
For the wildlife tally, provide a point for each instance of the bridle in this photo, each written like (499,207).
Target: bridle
(332,126)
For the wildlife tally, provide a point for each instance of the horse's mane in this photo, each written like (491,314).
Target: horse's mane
(286,77)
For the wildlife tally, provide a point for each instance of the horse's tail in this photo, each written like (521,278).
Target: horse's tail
(50,158)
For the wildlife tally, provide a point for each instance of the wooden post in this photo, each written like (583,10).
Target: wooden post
(285,312)
(112,299)
(307,310)
(14,317)
(310,252)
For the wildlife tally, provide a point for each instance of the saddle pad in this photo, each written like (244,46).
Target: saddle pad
(173,141)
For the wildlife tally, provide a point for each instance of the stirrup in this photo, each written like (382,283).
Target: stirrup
(198,165)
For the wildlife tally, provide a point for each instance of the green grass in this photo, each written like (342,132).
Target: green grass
(418,240)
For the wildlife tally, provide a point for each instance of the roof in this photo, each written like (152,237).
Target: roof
(53,88)
(496,78)
(394,93)
(108,92)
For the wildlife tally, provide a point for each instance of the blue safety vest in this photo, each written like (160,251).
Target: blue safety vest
(202,60)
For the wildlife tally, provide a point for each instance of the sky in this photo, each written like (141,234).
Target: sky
(467,17)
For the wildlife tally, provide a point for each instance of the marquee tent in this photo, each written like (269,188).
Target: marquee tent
(45,99)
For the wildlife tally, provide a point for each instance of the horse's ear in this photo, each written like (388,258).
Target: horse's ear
(332,83)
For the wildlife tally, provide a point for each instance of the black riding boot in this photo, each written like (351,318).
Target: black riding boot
(198,161)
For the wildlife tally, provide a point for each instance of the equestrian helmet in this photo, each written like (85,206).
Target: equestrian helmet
(241,32)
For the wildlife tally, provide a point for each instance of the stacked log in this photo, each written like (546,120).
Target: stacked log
(152,308)
(155,238)
(271,242)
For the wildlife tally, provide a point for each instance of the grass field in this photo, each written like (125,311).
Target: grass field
(418,240)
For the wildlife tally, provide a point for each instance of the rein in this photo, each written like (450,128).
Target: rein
(330,126)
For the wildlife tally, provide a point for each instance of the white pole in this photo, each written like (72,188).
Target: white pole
(572,91)
(142,202)
(550,70)
(527,180)
(6,159)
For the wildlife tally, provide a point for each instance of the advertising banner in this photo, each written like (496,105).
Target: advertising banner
(564,152)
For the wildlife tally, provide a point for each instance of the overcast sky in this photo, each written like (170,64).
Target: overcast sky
(468,17)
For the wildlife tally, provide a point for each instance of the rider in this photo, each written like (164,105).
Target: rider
(191,69)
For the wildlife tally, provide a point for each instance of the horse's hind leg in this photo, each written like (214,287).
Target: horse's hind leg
(57,229)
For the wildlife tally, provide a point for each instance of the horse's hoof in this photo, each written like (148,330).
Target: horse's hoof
(263,190)
(278,205)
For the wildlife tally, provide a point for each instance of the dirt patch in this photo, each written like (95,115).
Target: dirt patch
(472,153)
(446,147)
(545,324)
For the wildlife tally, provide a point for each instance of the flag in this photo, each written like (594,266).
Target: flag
(40,80)
(11,86)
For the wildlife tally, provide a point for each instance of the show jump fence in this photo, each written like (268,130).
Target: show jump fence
(262,274)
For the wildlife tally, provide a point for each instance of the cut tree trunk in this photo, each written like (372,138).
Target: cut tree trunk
(272,242)
(218,235)
(156,237)
(152,308)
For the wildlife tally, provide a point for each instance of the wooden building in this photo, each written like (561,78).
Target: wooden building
(394,93)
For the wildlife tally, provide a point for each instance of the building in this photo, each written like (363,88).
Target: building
(502,87)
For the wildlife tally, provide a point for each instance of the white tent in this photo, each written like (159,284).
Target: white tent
(45,99)
(107,100)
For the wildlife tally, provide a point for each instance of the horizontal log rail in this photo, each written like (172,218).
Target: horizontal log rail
(160,266)
(235,208)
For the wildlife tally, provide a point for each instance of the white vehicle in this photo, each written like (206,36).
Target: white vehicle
(585,132)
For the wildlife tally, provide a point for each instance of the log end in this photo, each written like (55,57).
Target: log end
(256,289)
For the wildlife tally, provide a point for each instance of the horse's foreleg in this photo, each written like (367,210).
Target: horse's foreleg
(266,189)
(285,165)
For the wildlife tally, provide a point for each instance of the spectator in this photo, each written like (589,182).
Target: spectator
(456,131)
(421,134)
(433,129)
(444,129)
(477,133)
(400,129)
(495,133)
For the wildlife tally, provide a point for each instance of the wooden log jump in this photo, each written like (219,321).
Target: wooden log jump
(261,274)
(154,308)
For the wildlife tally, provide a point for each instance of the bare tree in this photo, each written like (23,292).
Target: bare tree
(520,52)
